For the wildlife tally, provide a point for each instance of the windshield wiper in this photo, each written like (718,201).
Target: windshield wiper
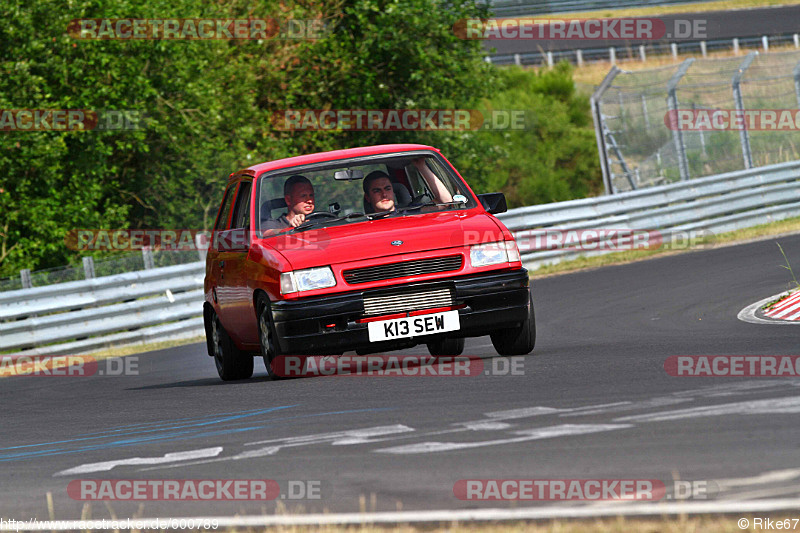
(312,223)
(420,206)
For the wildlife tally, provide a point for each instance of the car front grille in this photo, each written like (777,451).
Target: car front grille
(403,269)
(409,301)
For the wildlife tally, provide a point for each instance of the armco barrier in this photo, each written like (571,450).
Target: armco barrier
(81,316)
(721,203)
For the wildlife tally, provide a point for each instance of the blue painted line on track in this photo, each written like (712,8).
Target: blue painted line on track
(169,437)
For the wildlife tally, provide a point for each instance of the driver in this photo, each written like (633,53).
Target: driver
(299,195)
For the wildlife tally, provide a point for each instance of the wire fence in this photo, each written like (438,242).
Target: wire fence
(119,264)
(641,145)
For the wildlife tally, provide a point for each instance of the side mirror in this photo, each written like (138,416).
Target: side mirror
(493,202)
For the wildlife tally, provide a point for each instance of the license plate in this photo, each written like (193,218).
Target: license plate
(413,326)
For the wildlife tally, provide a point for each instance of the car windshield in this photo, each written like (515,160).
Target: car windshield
(352,191)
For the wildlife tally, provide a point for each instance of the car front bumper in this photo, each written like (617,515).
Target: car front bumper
(328,324)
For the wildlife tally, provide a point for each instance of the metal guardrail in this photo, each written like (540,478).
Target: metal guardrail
(81,316)
(509,8)
(721,203)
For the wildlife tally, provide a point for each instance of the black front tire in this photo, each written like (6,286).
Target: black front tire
(269,342)
(519,340)
(232,363)
(446,347)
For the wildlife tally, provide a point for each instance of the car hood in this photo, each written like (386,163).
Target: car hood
(373,239)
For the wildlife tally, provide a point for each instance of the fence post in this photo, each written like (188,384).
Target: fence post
(147,258)
(517,60)
(672,104)
(674,49)
(597,117)
(612,55)
(549,58)
(579,57)
(703,49)
(25,277)
(88,267)
(765,42)
(736,46)
(642,53)
(644,112)
(744,135)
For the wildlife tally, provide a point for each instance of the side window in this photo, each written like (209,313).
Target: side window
(241,215)
(222,220)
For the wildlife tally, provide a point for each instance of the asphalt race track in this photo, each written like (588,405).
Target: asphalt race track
(593,403)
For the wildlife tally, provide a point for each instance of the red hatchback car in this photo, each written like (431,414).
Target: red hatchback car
(367,249)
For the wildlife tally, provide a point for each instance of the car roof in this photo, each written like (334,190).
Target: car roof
(333,155)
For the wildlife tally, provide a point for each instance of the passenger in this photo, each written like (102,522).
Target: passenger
(299,195)
(379,191)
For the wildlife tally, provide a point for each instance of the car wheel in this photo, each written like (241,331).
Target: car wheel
(519,340)
(446,347)
(232,363)
(267,340)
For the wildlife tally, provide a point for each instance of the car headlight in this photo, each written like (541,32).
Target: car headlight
(493,253)
(307,280)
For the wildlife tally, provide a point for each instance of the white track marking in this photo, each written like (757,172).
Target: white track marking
(790,405)
(748,314)
(167,458)
(564,430)
(550,512)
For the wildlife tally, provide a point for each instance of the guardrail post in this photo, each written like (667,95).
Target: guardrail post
(736,46)
(796,76)
(672,104)
(597,117)
(88,267)
(796,39)
(642,53)
(612,55)
(703,49)
(147,258)
(202,246)
(674,49)
(744,135)
(25,277)
(765,42)
(579,57)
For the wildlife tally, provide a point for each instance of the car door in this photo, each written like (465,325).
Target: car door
(237,306)
(213,271)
